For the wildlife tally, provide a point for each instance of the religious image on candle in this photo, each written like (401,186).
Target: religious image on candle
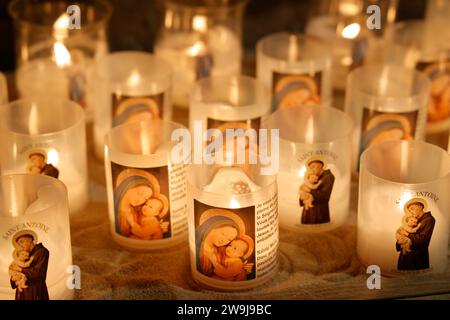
(439,74)
(131,108)
(28,266)
(290,90)
(224,240)
(141,202)
(315,192)
(378,126)
(414,236)
(38,163)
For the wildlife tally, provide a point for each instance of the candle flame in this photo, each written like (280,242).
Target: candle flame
(309,135)
(52,157)
(61,27)
(351,31)
(234,204)
(302,171)
(404,198)
(199,23)
(62,55)
(134,79)
(198,48)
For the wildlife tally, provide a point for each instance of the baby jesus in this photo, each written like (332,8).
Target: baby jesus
(231,266)
(150,226)
(311,182)
(409,225)
(21,260)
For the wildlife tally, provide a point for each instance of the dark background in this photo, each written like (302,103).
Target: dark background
(135,22)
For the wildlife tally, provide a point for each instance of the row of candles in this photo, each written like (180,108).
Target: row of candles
(231,213)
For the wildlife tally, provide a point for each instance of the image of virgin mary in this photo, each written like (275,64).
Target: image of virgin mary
(135,109)
(293,91)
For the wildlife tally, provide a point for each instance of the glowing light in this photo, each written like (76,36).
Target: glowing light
(301,173)
(33,127)
(134,79)
(234,204)
(404,198)
(199,23)
(198,48)
(61,27)
(53,157)
(62,55)
(349,8)
(351,31)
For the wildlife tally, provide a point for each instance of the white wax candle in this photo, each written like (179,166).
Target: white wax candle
(380,215)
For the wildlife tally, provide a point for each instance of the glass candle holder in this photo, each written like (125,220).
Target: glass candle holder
(386,103)
(349,39)
(295,68)
(53,53)
(3,89)
(147,195)
(46,135)
(228,102)
(200,39)
(130,86)
(233,215)
(403,212)
(425,46)
(35,244)
(315,167)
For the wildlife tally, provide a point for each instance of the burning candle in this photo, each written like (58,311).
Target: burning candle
(54,56)
(130,86)
(425,47)
(200,40)
(296,69)
(233,226)
(403,212)
(314,176)
(35,238)
(46,135)
(147,195)
(386,103)
(228,102)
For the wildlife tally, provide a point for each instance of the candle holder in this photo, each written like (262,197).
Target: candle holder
(233,226)
(3,89)
(315,161)
(55,55)
(200,39)
(130,86)
(296,68)
(425,46)
(403,207)
(46,135)
(35,244)
(386,103)
(229,102)
(147,195)
(349,39)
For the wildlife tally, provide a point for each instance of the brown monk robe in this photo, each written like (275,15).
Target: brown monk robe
(320,212)
(36,274)
(418,258)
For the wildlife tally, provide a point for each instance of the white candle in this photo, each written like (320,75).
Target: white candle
(235,218)
(217,49)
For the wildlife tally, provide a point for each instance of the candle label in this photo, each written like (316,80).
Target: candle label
(41,160)
(314,192)
(28,260)
(132,108)
(149,203)
(236,244)
(77,90)
(203,65)
(378,126)
(291,90)
(414,234)
(222,125)
(439,74)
